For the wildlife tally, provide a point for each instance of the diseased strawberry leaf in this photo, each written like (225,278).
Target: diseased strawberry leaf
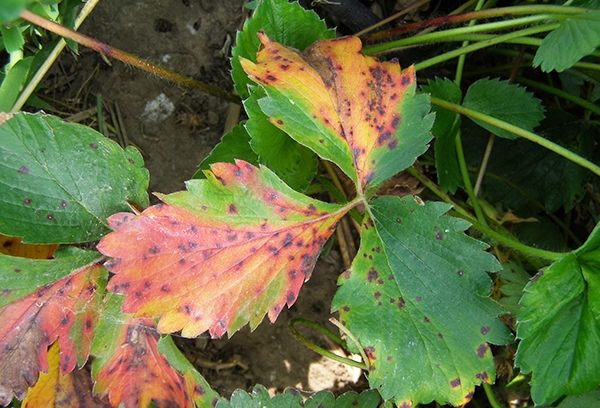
(350,109)
(232,248)
(129,369)
(416,298)
(59,181)
(42,301)
(53,390)
(282,20)
(559,325)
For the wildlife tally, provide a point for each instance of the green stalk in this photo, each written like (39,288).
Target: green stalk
(462,164)
(489,393)
(525,134)
(512,53)
(502,239)
(441,35)
(592,107)
(484,44)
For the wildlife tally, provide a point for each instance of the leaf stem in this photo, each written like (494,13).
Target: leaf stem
(592,107)
(497,236)
(525,134)
(474,15)
(491,397)
(464,171)
(319,350)
(484,44)
(128,58)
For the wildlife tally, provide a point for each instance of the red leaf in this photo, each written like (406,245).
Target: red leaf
(232,248)
(56,311)
(136,374)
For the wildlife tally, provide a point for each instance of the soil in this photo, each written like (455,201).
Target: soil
(175,129)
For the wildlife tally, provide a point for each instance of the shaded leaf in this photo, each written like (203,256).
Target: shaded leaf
(285,22)
(590,399)
(513,279)
(559,325)
(129,369)
(53,390)
(11,9)
(576,37)
(505,101)
(13,246)
(42,301)
(444,129)
(416,298)
(59,181)
(241,238)
(13,83)
(235,144)
(348,108)
(294,163)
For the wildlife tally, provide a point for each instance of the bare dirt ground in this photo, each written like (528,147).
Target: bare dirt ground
(175,129)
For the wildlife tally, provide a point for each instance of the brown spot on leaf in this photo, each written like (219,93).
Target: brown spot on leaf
(455,382)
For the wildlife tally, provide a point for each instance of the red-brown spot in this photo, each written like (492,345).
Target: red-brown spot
(455,382)
(23,170)
(481,350)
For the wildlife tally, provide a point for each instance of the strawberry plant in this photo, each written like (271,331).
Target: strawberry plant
(439,294)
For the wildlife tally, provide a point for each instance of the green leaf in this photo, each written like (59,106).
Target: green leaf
(444,130)
(416,298)
(12,38)
(505,101)
(233,145)
(559,325)
(10,9)
(59,181)
(13,83)
(576,37)
(294,163)
(513,279)
(285,22)
(204,395)
(590,399)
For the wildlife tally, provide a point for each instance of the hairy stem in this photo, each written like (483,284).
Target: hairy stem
(127,58)
(525,134)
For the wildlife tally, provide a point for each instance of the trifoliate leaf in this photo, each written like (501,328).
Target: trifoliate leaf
(348,108)
(576,37)
(559,325)
(505,101)
(294,163)
(284,21)
(416,298)
(444,129)
(232,248)
(43,301)
(59,181)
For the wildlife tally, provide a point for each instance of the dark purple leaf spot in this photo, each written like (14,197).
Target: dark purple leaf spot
(27,201)
(460,273)
(455,382)
(50,217)
(23,170)
(485,330)
(63,204)
(418,298)
(94,146)
(481,350)
(232,209)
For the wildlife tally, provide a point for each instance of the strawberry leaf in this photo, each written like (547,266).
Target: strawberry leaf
(55,390)
(42,301)
(350,109)
(128,367)
(59,181)
(232,248)
(559,325)
(416,298)
(284,21)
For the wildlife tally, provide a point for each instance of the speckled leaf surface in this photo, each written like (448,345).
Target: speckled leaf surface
(227,251)
(42,301)
(129,369)
(351,109)
(59,181)
(559,325)
(282,20)
(416,297)
(53,390)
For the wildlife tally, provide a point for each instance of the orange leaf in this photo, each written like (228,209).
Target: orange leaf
(13,246)
(232,248)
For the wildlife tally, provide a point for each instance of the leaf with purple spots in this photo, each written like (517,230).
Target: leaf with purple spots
(59,181)
(416,297)
(129,368)
(43,301)
(234,247)
(351,109)
(559,325)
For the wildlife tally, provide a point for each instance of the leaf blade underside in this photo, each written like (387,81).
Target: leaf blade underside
(349,108)
(43,301)
(416,298)
(232,248)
